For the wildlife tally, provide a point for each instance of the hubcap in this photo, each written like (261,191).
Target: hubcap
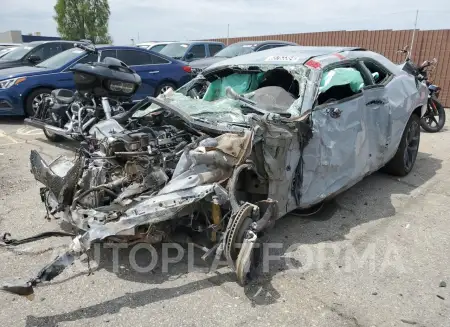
(412,145)
(165,88)
(38,100)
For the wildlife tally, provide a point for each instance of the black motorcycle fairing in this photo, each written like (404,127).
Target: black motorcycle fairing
(98,78)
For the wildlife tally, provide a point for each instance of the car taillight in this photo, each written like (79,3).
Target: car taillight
(187,69)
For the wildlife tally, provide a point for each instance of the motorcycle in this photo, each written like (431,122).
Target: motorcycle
(434,109)
(101,90)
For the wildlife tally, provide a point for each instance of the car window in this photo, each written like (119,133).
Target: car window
(38,51)
(156,60)
(158,48)
(67,46)
(18,53)
(92,57)
(214,48)
(134,58)
(175,50)
(51,49)
(379,73)
(47,50)
(108,53)
(62,58)
(236,49)
(340,83)
(198,51)
(266,47)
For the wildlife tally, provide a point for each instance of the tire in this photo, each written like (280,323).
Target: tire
(405,157)
(30,102)
(53,137)
(164,87)
(426,122)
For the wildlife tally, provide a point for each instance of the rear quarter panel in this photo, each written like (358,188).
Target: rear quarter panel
(404,97)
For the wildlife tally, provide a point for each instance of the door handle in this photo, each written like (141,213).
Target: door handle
(334,112)
(154,72)
(375,102)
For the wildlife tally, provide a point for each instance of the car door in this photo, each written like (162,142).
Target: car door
(378,116)
(146,65)
(336,157)
(198,51)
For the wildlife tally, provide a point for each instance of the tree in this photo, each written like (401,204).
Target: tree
(83,19)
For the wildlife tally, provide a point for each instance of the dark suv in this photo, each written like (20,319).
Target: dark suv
(30,54)
(234,50)
(192,50)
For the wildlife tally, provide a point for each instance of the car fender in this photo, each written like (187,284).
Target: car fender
(35,87)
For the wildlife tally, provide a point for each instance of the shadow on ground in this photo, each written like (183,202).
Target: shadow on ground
(367,201)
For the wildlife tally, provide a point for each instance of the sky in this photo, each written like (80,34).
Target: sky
(145,20)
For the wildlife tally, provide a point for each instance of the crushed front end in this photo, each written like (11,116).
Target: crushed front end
(167,172)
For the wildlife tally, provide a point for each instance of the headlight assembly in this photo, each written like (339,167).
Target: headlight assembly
(117,86)
(7,83)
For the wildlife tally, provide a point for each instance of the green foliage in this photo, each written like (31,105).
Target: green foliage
(83,19)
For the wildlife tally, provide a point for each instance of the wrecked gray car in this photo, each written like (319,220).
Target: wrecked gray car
(243,144)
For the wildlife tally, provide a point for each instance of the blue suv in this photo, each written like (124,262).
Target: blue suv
(23,88)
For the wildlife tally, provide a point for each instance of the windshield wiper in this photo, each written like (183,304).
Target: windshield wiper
(176,57)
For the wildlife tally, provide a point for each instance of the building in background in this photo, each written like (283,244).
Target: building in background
(18,37)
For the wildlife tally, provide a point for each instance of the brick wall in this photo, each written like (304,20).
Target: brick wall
(427,45)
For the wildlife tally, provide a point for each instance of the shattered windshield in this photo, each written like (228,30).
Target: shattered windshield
(237,49)
(274,89)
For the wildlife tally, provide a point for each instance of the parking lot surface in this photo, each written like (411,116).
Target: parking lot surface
(377,255)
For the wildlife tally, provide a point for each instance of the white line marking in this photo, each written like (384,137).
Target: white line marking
(28,130)
(3,134)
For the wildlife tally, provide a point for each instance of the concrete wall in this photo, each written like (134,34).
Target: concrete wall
(11,37)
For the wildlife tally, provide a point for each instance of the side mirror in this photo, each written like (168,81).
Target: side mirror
(189,56)
(34,59)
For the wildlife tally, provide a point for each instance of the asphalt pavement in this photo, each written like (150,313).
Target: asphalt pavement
(378,255)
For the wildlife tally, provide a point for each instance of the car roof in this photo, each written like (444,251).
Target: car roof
(199,42)
(49,41)
(265,42)
(295,55)
(155,42)
(118,47)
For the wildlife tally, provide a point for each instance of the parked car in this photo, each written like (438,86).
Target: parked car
(261,135)
(154,46)
(236,49)
(192,50)
(23,88)
(9,44)
(30,54)
(5,49)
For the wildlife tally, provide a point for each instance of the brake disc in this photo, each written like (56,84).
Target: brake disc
(236,228)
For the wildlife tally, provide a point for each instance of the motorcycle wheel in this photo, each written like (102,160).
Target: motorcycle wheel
(428,122)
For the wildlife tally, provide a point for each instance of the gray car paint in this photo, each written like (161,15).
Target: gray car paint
(300,170)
